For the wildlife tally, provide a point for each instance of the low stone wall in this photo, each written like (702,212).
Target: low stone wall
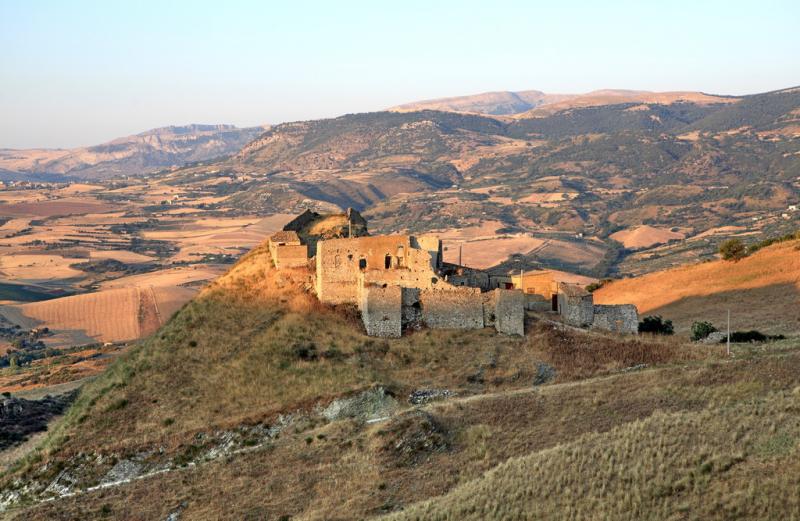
(509,311)
(622,318)
(456,308)
(381,311)
(290,256)
(576,310)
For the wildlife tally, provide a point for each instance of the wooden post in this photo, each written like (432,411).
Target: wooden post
(729,332)
(459,253)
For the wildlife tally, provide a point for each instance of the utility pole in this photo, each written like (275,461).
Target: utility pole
(729,332)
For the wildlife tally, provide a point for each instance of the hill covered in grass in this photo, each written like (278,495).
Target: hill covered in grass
(246,387)
(762,292)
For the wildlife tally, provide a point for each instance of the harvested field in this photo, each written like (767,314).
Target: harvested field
(490,252)
(51,208)
(645,236)
(125,256)
(547,197)
(181,276)
(38,268)
(111,315)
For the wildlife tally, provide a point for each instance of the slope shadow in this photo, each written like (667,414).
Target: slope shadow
(773,309)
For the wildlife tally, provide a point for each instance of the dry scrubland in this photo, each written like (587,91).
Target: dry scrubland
(762,292)
(690,426)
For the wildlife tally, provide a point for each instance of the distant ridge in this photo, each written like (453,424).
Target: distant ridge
(533,103)
(137,154)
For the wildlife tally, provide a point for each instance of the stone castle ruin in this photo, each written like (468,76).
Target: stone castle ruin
(546,290)
(399,282)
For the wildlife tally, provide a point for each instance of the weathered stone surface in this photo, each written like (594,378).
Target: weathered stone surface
(123,471)
(621,318)
(544,373)
(381,311)
(382,259)
(509,311)
(452,308)
(715,337)
(575,305)
(368,405)
(423,396)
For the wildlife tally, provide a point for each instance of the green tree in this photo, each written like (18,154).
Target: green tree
(701,330)
(733,250)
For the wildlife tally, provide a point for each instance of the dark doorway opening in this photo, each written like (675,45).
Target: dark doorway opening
(387,262)
(362,264)
(554,302)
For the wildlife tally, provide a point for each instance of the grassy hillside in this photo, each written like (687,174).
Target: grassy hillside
(762,291)
(254,353)
(733,461)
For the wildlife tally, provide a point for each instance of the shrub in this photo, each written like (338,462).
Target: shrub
(701,330)
(733,250)
(657,325)
(594,286)
(305,350)
(752,336)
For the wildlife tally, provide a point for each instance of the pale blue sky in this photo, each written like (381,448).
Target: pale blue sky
(83,72)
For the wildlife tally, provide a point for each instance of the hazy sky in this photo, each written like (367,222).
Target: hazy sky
(80,73)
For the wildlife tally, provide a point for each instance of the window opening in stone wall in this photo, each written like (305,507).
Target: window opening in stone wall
(362,264)
(387,262)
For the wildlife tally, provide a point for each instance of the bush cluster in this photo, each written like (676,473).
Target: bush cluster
(656,325)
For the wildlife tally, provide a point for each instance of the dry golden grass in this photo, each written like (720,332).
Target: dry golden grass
(346,472)
(738,462)
(645,236)
(762,291)
(227,358)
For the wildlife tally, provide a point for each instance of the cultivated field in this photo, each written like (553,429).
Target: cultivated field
(645,236)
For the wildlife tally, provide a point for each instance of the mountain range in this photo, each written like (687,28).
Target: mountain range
(131,155)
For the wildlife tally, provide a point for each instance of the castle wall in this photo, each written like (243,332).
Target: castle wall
(622,318)
(454,308)
(289,256)
(577,310)
(509,311)
(341,261)
(381,311)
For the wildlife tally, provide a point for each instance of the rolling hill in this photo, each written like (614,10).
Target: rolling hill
(695,164)
(762,292)
(254,385)
(534,103)
(131,155)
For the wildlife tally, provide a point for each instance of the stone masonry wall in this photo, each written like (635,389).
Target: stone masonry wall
(577,310)
(388,259)
(509,311)
(622,318)
(381,311)
(456,308)
(290,256)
